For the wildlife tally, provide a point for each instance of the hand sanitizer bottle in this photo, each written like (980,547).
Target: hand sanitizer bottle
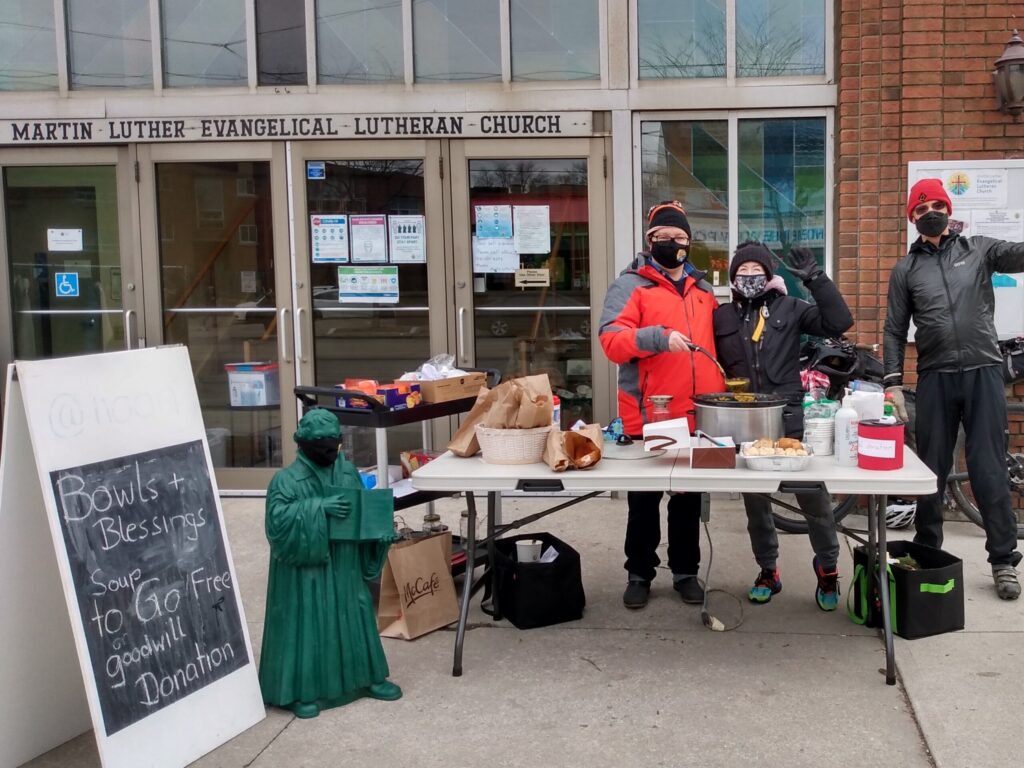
(846,434)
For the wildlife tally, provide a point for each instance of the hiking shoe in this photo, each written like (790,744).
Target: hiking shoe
(827,593)
(766,584)
(689,589)
(636,594)
(1005,577)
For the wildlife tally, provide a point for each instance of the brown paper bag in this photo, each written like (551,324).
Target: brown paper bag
(417,594)
(502,414)
(535,404)
(577,449)
(464,442)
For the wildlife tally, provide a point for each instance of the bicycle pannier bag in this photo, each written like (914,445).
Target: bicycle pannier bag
(541,593)
(926,600)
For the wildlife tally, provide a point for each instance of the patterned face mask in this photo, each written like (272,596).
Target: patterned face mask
(750,286)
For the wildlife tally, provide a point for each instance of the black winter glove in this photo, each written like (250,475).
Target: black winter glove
(803,264)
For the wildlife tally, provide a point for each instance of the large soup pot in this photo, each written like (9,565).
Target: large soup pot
(744,417)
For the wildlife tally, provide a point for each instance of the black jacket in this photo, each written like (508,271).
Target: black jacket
(947,292)
(773,364)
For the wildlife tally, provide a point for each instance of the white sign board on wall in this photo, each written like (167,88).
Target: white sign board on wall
(988,199)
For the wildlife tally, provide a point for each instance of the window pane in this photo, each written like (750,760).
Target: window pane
(782,185)
(681,38)
(28,46)
(779,38)
(359,41)
(204,42)
(109,44)
(688,162)
(456,40)
(554,41)
(281,42)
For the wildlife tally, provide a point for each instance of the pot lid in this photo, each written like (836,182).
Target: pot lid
(739,400)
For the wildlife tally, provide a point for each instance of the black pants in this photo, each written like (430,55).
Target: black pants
(643,533)
(977,399)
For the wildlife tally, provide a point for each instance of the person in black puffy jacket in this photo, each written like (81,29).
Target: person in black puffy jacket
(757,336)
(944,284)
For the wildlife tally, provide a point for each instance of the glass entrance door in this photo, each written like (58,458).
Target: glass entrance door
(70,290)
(217,248)
(527,295)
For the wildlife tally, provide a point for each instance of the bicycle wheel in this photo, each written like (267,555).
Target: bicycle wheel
(792,521)
(959,484)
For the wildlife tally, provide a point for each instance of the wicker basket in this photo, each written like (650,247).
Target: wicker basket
(512,446)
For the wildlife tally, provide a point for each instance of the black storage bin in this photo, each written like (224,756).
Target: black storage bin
(924,601)
(538,594)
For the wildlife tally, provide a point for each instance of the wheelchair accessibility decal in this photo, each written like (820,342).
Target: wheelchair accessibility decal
(66,285)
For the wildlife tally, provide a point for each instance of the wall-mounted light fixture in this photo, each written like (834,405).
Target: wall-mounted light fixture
(1009,77)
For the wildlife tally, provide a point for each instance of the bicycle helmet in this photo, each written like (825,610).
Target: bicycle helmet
(837,360)
(900,513)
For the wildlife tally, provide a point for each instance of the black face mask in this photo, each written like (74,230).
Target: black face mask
(669,255)
(932,224)
(322,451)
(750,286)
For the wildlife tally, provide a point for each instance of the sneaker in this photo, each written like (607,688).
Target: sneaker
(1005,577)
(689,589)
(766,584)
(636,594)
(827,593)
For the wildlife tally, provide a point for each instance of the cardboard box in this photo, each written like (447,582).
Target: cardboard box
(253,384)
(704,454)
(669,435)
(397,397)
(455,388)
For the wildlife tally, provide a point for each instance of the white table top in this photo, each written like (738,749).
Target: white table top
(670,471)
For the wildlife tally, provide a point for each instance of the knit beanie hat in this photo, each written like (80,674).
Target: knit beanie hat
(668,213)
(925,191)
(752,251)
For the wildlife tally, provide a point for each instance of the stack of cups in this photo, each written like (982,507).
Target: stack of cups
(819,434)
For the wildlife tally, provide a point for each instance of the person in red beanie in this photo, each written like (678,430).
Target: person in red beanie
(944,284)
(656,326)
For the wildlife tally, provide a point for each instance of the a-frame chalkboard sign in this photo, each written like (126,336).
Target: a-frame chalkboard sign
(118,598)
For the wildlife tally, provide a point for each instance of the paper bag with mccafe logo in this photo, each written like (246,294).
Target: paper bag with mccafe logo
(417,594)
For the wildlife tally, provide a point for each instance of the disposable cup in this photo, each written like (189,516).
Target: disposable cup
(528,550)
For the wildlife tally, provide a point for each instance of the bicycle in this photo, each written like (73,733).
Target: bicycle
(788,517)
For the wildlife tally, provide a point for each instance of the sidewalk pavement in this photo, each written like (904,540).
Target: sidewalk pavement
(791,686)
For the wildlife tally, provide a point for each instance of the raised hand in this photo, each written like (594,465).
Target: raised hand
(802,264)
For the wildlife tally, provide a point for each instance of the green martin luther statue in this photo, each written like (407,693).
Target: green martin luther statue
(321,647)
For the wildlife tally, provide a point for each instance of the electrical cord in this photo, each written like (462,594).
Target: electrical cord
(709,621)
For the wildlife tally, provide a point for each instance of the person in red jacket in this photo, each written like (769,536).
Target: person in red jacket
(654,314)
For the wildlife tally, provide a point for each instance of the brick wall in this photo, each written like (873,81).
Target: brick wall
(915,83)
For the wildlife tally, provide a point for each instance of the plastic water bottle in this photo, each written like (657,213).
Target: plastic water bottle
(845,449)
(859,385)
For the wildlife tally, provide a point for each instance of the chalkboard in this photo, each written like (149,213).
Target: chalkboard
(151,576)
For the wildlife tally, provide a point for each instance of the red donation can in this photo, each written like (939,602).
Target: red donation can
(879,445)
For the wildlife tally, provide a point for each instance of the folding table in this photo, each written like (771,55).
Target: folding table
(668,472)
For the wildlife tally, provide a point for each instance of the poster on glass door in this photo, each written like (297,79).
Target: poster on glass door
(406,239)
(368,285)
(329,238)
(369,238)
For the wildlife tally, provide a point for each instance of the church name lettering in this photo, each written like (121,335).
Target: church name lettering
(125,130)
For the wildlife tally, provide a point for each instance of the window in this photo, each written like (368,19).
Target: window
(779,38)
(28,49)
(247,234)
(456,40)
(109,44)
(359,41)
(203,42)
(780,193)
(681,38)
(554,41)
(689,38)
(209,194)
(281,42)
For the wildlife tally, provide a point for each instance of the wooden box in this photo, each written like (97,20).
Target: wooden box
(706,455)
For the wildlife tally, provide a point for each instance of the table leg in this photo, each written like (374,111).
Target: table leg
(493,511)
(381,436)
(883,586)
(467,583)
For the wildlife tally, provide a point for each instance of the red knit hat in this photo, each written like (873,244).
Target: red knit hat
(924,191)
